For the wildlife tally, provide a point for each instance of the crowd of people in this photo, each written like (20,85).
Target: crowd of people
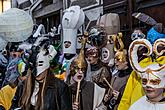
(38,76)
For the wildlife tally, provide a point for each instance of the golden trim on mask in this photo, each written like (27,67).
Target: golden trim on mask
(118,43)
(80,61)
(120,56)
(152,81)
(156,44)
(131,50)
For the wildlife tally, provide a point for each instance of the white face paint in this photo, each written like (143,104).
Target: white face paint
(153,86)
(105,55)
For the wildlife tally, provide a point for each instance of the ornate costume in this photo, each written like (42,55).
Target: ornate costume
(121,72)
(134,90)
(152,76)
(42,90)
(72,20)
(97,70)
(88,95)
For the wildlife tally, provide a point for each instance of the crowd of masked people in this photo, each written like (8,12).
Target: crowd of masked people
(31,78)
(41,77)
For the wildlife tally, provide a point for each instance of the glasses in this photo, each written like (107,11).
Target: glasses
(137,36)
(152,81)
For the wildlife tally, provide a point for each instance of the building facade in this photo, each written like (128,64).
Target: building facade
(47,12)
(125,8)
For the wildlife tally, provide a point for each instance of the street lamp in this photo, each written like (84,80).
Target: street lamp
(4,5)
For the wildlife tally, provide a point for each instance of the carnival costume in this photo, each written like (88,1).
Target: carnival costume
(121,73)
(16,26)
(72,20)
(96,72)
(90,94)
(154,73)
(47,92)
(134,90)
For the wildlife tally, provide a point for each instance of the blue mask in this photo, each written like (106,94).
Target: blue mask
(153,35)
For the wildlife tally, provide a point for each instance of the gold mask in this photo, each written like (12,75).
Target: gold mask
(79,62)
(121,53)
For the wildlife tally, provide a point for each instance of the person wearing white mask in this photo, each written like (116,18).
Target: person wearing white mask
(152,76)
(41,90)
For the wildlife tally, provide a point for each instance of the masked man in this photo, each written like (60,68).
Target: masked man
(152,76)
(85,95)
(42,90)
(118,81)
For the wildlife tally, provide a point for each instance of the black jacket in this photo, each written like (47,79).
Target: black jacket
(56,97)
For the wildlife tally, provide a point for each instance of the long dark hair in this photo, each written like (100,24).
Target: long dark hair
(25,100)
